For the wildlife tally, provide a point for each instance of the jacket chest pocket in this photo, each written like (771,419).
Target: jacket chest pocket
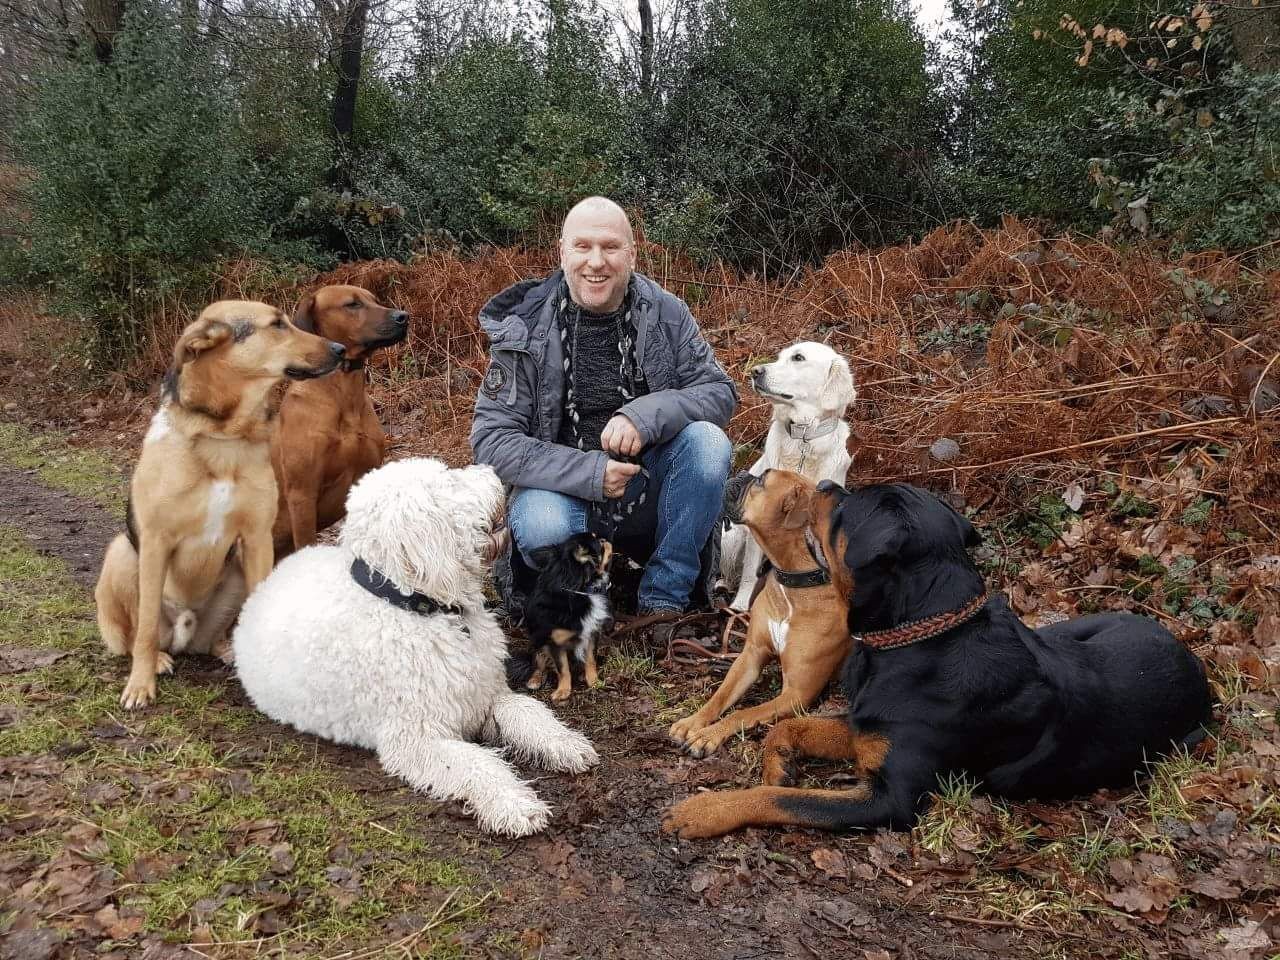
(658,362)
(501,380)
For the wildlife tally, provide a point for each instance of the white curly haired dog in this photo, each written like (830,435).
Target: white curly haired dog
(383,642)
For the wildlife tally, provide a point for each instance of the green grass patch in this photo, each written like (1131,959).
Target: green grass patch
(76,470)
(241,838)
(40,606)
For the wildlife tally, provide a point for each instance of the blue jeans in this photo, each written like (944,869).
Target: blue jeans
(687,475)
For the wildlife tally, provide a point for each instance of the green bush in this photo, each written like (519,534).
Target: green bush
(139,176)
(799,128)
(1211,177)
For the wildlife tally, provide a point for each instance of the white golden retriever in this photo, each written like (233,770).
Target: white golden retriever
(811,388)
(383,642)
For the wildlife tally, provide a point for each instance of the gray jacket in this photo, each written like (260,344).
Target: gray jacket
(521,400)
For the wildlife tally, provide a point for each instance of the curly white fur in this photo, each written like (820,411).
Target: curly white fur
(316,651)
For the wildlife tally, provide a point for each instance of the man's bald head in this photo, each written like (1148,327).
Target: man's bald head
(597,254)
(599,211)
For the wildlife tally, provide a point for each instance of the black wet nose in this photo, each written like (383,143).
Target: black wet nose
(337,349)
(400,318)
(757,370)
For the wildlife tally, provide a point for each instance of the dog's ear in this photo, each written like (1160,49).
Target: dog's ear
(877,541)
(838,391)
(200,338)
(797,510)
(942,513)
(304,315)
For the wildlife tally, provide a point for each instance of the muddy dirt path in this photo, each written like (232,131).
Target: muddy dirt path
(604,882)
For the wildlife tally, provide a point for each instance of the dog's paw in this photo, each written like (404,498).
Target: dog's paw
(703,743)
(699,816)
(778,769)
(139,692)
(514,813)
(682,730)
(164,662)
(569,753)
(224,651)
(561,694)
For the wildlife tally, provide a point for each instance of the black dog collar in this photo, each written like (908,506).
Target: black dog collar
(347,366)
(819,576)
(382,588)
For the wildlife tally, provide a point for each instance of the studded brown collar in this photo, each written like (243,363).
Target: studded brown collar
(913,631)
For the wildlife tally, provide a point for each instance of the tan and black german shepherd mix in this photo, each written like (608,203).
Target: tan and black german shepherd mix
(203,495)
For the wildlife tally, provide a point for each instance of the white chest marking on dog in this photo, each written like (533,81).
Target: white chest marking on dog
(160,427)
(221,494)
(591,624)
(778,630)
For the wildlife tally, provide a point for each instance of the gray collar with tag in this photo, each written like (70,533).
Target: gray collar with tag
(813,429)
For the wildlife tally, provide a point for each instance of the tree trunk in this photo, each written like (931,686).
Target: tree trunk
(646,47)
(350,51)
(103,18)
(1256,34)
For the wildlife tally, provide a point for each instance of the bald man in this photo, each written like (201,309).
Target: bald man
(604,409)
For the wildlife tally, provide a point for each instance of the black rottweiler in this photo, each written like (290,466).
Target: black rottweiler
(943,679)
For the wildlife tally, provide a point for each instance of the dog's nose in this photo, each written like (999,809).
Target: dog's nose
(337,349)
(400,318)
(757,370)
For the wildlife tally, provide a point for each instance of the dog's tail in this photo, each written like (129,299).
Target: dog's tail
(519,668)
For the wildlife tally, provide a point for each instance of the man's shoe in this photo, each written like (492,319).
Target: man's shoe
(664,630)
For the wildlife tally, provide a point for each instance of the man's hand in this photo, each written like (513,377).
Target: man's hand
(620,437)
(616,475)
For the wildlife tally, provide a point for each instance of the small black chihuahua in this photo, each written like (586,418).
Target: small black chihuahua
(567,606)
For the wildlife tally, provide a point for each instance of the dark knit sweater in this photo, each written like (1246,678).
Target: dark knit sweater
(597,375)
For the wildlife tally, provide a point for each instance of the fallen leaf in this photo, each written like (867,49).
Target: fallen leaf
(20,659)
(38,944)
(552,855)
(117,927)
(1246,938)
(830,862)
(1215,888)
(702,879)
(1073,496)
(281,859)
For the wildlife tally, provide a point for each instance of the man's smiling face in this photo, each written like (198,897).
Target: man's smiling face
(597,254)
